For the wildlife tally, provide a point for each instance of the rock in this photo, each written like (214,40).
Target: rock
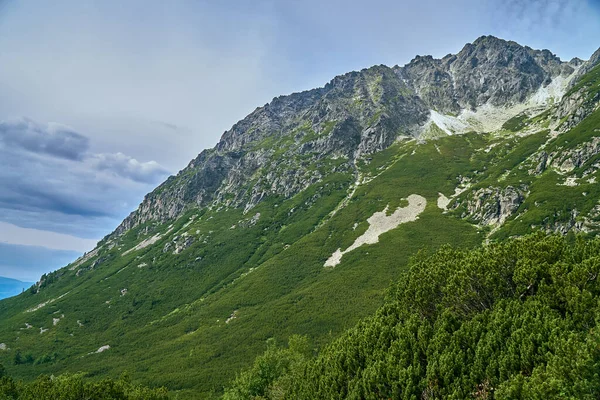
(586,66)
(568,160)
(488,71)
(541,161)
(183,243)
(97,263)
(564,226)
(493,205)
(574,108)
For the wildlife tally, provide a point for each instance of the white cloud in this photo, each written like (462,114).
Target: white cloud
(125,166)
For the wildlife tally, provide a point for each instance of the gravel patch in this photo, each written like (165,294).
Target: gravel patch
(380,223)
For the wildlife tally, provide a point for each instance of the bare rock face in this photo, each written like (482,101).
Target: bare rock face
(567,161)
(433,81)
(493,205)
(541,163)
(586,66)
(578,104)
(178,244)
(575,107)
(490,70)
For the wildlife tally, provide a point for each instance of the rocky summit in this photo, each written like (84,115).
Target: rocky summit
(300,217)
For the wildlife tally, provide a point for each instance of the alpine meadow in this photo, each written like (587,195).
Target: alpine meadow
(426,231)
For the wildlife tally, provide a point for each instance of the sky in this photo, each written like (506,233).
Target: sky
(101,100)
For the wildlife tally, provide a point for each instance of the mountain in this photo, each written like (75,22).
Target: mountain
(355,115)
(307,209)
(12,287)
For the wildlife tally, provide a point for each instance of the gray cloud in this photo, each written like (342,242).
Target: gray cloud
(52,139)
(45,187)
(60,141)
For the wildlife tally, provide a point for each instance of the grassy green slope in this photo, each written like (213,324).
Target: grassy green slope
(271,273)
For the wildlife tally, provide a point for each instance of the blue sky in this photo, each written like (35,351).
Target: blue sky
(101,100)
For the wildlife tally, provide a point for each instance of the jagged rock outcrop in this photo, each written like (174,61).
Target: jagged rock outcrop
(578,103)
(568,160)
(575,107)
(178,244)
(493,205)
(586,66)
(569,222)
(490,70)
(541,162)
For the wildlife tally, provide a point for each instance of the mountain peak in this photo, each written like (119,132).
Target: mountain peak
(490,39)
(494,42)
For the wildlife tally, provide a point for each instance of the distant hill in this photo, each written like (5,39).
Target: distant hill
(12,287)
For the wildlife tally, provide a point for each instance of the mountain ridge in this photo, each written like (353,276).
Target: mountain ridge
(223,166)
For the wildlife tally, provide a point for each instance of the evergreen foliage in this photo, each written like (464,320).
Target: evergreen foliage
(516,320)
(75,387)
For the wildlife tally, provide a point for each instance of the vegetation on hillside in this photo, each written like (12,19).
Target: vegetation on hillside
(75,387)
(516,320)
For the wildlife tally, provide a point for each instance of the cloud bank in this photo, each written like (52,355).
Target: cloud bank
(50,139)
(50,179)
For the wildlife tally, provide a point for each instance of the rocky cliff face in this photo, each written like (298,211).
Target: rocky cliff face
(292,142)
(586,66)
(493,205)
(490,70)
